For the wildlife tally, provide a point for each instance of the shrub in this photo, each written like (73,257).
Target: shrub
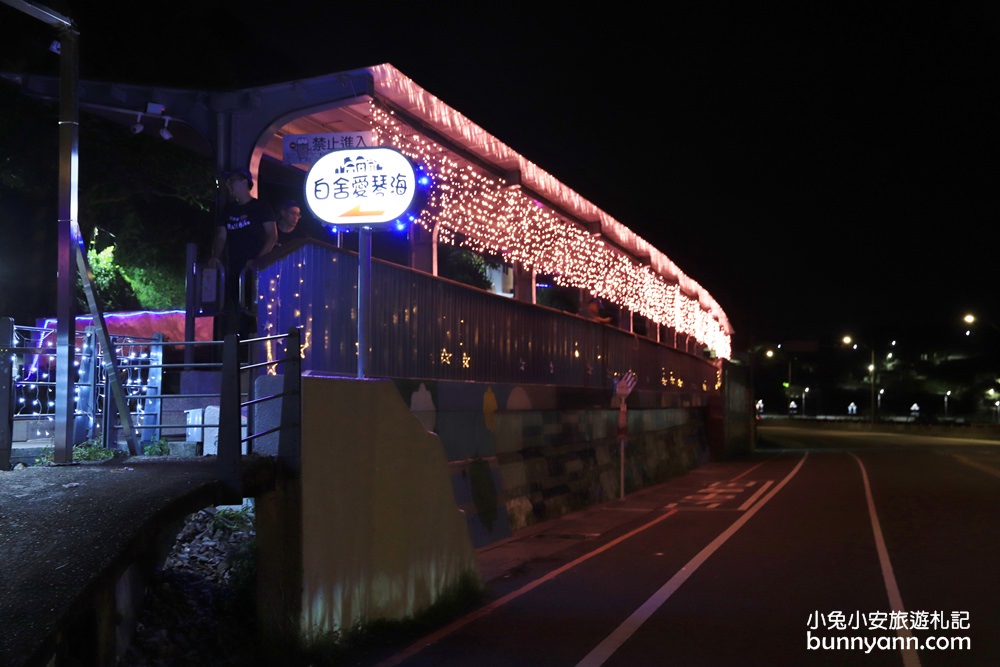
(90,450)
(158,448)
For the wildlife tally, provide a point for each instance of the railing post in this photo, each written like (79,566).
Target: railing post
(6,391)
(152,410)
(190,283)
(108,417)
(290,435)
(86,402)
(228,461)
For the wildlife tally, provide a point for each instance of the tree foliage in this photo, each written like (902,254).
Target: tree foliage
(109,283)
(464,266)
(144,197)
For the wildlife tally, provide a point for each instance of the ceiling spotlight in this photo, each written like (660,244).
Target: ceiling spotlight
(137,128)
(164,132)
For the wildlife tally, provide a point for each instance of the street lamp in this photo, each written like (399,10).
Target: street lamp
(971,319)
(770,355)
(871,368)
(804,392)
(946,395)
(777,355)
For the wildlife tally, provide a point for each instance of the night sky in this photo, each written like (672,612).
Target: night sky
(817,167)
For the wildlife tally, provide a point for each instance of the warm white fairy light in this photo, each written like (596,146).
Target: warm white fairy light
(476,210)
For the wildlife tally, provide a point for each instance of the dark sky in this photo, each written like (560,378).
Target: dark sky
(817,167)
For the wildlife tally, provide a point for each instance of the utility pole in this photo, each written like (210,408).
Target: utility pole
(68,230)
(873,383)
(72,257)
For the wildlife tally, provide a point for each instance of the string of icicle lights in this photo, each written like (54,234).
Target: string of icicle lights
(491,217)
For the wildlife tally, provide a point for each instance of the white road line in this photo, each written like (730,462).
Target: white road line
(977,465)
(435,637)
(910,657)
(752,499)
(600,654)
(750,470)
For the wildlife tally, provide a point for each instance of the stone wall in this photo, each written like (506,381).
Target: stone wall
(521,454)
(559,461)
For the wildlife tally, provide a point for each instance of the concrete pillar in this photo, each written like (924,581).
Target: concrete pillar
(370,529)
(524,284)
(421,249)
(625,319)
(279,578)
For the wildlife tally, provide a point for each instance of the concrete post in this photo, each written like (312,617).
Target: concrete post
(524,284)
(421,249)
(625,319)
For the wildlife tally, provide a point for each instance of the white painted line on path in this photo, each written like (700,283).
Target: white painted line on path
(435,637)
(910,657)
(750,470)
(600,654)
(752,499)
(972,463)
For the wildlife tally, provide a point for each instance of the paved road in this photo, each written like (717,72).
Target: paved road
(835,549)
(66,530)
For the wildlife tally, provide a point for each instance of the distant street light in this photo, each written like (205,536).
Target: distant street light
(971,319)
(770,355)
(871,369)
(946,395)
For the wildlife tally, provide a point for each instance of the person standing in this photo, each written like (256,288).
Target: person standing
(592,311)
(289,229)
(245,232)
(292,225)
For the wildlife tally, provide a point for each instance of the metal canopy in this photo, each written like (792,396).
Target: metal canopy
(244,127)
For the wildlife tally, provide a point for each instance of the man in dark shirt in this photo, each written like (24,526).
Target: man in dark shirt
(289,216)
(245,231)
(592,311)
(292,226)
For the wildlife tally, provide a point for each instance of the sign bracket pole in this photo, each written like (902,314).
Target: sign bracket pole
(364,297)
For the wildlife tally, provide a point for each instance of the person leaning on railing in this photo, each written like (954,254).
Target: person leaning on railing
(592,311)
(244,232)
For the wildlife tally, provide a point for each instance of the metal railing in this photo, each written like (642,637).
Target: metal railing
(29,361)
(27,389)
(424,327)
(288,426)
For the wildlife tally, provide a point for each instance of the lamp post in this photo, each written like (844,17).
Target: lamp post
(971,319)
(777,355)
(988,351)
(770,355)
(871,369)
(946,395)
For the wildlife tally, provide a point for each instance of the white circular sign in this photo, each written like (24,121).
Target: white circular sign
(360,186)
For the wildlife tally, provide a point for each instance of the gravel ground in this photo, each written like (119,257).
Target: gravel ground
(199,607)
